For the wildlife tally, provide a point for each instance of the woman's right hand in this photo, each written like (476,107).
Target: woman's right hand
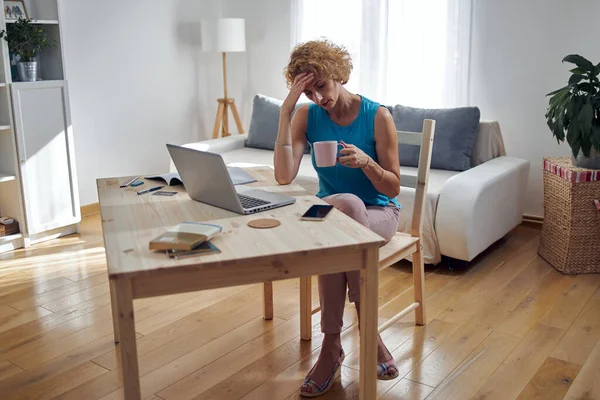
(300,83)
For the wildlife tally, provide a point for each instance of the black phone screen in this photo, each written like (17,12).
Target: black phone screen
(318,211)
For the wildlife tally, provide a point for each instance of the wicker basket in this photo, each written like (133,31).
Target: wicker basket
(571,229)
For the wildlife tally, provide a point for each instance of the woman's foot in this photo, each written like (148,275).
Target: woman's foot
(320,378)
(386,367)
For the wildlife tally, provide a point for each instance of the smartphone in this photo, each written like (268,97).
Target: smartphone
(317,212)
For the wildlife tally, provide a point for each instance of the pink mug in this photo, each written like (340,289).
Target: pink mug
(326,153)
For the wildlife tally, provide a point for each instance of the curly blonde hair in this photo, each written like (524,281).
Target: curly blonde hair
(326,58)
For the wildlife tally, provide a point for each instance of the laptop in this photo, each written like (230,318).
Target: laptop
(207,180)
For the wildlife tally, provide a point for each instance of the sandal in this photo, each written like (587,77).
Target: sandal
(387,370)
(310,388)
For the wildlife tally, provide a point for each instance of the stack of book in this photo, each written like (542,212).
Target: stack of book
(187,238)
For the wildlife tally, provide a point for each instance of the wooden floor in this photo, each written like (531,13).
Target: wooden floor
(509,327)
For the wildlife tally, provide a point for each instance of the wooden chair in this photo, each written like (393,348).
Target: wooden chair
(399,247)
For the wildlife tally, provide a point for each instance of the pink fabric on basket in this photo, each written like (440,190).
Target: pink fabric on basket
(570,175)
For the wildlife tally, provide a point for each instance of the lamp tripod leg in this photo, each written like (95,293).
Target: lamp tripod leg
(236,116)
(218,119)
(225,131)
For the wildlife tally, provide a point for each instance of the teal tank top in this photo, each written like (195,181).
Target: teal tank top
(361,133)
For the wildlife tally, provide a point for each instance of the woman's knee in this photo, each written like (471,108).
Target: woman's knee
(349,204)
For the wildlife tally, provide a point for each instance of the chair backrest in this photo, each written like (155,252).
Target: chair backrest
(423,139)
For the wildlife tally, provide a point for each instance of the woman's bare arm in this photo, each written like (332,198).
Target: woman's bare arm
(385,175)
(290,145)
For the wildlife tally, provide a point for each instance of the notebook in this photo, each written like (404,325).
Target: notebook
(202,248)
(184,236)
(238,176)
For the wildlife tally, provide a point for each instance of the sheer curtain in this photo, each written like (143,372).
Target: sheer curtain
(410,52)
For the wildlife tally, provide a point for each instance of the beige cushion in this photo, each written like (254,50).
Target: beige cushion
(488,143)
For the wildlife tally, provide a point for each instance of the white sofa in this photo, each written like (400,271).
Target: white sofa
(466,212)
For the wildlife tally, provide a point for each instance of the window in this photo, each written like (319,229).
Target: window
(410,52)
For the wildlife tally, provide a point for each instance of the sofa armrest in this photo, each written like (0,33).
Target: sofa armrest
(219,146)
(481,205)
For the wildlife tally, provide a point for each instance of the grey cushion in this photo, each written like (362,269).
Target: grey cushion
(455,134)
(264,122)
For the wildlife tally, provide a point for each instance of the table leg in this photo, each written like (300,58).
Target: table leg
(127,344)
(113,304)
(268,300)
(305,308)
(369,288)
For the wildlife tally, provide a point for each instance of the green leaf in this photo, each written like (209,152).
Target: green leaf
(576,78)
(575,147)
(560,126)
(586,146)
(585,87)
(560,96)
(595,137)
(573,107)
(556,114)
(581,62)
(573,134)
(584,119)
(578,71)
(557,90)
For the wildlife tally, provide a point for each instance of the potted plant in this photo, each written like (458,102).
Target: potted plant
(574,112)
(25,40)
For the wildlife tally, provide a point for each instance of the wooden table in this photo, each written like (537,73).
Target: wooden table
(294,249)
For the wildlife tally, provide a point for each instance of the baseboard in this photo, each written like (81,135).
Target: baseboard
(533,219)
(51,234)
(90,209)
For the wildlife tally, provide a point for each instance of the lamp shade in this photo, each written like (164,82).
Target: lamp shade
(223,35)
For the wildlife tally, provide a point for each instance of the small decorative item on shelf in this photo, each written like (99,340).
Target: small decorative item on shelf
(26,39)
(571,226)
(574,111)
(8,226)
(14,10)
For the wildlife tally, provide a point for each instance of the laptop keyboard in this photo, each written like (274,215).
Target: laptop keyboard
(251,202)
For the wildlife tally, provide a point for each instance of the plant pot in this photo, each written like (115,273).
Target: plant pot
(28,71)
(591,162)
(14,68)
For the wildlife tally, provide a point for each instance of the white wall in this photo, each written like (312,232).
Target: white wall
(268,41)
(517,50)
(137,81)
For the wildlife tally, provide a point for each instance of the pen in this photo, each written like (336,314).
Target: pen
(152,189)
(129,182)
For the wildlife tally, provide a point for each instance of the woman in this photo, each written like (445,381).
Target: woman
(362,185)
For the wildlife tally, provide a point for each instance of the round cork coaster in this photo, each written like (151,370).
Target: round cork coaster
(264,223)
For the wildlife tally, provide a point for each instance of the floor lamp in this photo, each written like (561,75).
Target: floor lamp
(224,35)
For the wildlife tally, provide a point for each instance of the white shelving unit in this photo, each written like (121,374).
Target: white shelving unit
(6,178)
(41,21)
(38,182)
